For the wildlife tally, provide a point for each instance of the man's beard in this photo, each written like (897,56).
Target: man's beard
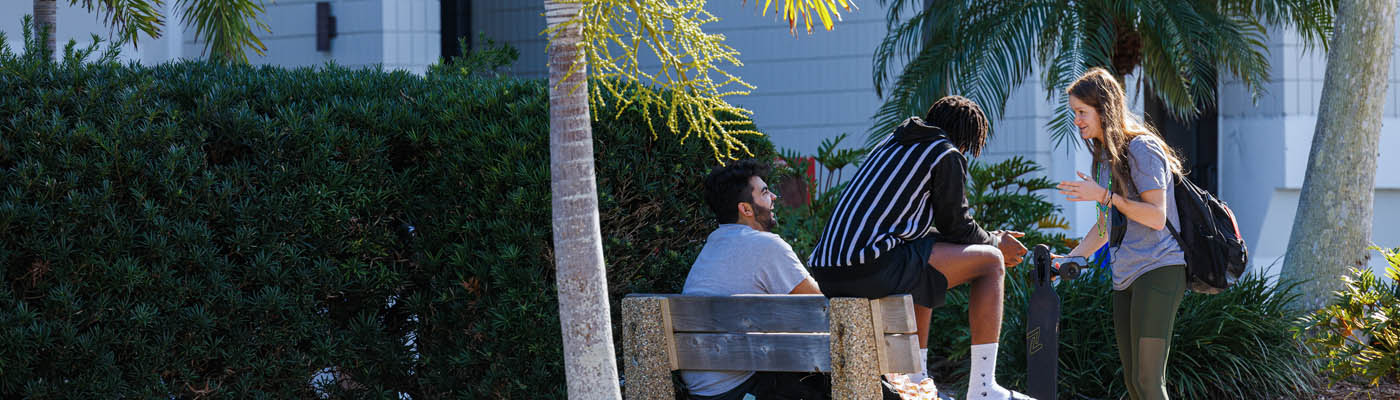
(764,217)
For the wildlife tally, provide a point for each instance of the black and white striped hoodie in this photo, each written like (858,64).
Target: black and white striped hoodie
(910,187)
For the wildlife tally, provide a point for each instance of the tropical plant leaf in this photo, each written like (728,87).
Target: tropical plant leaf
(128,18)
(226,27)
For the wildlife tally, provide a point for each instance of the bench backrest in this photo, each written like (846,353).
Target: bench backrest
(768,332)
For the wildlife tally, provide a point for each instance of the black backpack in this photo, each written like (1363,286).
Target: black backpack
(1209,237)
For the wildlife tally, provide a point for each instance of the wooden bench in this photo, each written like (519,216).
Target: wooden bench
(853,339)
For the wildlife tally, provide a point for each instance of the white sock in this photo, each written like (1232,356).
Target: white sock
(982,381)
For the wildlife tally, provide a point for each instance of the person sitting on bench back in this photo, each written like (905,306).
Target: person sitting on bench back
(743,256)
(902,226)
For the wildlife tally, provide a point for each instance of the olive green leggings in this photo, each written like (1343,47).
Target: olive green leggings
(1142,322)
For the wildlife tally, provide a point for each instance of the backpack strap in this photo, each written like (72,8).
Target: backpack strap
(1179,179)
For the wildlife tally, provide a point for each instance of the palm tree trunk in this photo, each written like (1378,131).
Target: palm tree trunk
(1333,225)
(46,20)
(578,246)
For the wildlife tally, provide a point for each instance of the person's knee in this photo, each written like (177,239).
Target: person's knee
(990,263)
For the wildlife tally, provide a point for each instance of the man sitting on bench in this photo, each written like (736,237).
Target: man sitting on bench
(743,256)
(902,226)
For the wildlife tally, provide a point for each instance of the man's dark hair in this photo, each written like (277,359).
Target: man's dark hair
(963,120)
(729,185)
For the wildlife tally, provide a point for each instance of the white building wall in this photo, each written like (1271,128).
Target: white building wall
(397,34)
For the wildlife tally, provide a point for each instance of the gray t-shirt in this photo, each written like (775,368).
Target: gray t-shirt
(1145,249)
(737,259)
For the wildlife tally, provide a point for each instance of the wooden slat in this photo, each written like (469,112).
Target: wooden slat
(749,313)
(773,313)
(878,327)
(897,313)
(754,351)
(670,339)
(797,352)
(902,353)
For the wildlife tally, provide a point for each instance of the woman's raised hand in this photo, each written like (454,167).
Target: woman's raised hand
(1082,190)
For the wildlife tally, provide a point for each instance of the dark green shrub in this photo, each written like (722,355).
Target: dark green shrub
(1004,195)
(1357,336)
(192,230)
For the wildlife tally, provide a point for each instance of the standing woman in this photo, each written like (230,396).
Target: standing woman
(1132,173)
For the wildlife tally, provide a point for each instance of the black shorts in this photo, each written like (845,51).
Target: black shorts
(903,269)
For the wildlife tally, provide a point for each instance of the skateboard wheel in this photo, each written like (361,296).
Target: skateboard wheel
(1069,271)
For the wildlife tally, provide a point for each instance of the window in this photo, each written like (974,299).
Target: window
(456,25)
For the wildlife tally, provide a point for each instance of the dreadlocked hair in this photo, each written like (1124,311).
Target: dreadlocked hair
(963,121)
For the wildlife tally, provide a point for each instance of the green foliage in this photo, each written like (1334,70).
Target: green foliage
(834,159)
(985,49)
(197,230)
(35,51)
(1357,336)
(1005,196)
(226,26)
(128,18)
(802,226)
(1239,344)
(682,93)
(484,62)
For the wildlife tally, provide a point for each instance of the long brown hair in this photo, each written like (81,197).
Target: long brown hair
(1099,89)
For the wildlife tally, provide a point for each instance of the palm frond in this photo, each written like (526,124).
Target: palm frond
(1312,19)
(1239,48)
(923,78)
(1087,40)
(983,50)
(128,18)
(227,27)
(901,43)
(1166,28)
(1003,66)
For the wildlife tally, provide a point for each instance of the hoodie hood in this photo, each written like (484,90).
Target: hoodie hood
(914,130)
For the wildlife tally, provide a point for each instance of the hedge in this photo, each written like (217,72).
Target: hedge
(192,230)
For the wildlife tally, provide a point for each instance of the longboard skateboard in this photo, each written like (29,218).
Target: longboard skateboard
(1043,322)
